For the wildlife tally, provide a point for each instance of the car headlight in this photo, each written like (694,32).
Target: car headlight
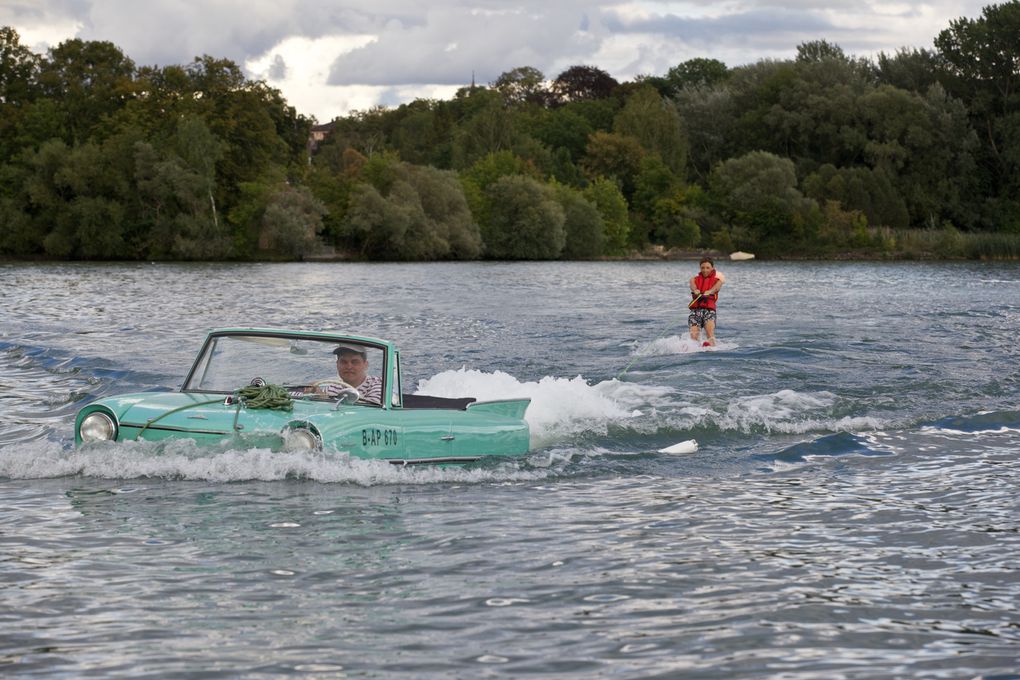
(97,427)
(301,439)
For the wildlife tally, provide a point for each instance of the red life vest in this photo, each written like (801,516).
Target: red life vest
(705,283)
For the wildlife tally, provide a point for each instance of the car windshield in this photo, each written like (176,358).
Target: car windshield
(305,366)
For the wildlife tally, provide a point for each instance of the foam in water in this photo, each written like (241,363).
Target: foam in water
(183,459)
(789,411)
(560,407)
(679,344)
(785,411)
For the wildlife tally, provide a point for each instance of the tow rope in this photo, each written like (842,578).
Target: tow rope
(641,351)
(254,396)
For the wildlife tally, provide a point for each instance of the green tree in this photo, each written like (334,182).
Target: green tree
(200,150)
(19,235)
(695,73)
(805,110)
(520,85)
(241,114)
(925,145)
(422,136)
(82,199)
(819,51)
(46,198)
(485,172)
(490,130)
(583,224)
(758,191)
(380,221)
(291,222)
(91,79)
(657,126)
(526,221)
(562,128)
(333,185)
(911,69)
(675,226)
(605,195)
(653,183)
(712,116)
(610,154)
(412,213)
(579,83)
(860,189)
(447,210)
(174,190)
(598,112)
(99,226)
(979,58)
(19,68)
(247,212)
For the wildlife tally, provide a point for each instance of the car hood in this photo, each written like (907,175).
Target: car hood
(202,412)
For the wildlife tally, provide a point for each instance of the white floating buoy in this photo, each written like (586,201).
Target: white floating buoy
(689,446)
(741,255)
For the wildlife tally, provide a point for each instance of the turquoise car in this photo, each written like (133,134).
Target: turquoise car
(294,390)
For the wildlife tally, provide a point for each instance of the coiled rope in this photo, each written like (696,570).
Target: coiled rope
(271,397)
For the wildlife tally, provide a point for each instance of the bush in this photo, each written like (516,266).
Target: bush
(607,198)
(418,213)
(583,224)
(291,222)
(526,221)
(675,227)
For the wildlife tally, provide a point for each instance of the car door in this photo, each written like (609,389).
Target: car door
(427,434)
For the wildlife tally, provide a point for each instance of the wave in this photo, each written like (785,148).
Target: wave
(677,344)
(183,459)
(987,422)
(562,408)
(838,444)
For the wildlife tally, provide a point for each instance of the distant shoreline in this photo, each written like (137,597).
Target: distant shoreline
(675,255)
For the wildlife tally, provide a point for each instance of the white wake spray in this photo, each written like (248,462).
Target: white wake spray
(560,407)
(679,344)
(183,459)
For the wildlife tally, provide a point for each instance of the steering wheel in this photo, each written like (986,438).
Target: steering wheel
(347,394)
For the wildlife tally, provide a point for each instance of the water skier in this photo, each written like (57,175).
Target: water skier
(704,293)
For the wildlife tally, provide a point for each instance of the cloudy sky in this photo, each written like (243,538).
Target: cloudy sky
(330,57)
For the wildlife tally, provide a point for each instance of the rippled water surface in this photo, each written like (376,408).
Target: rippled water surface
(851,510)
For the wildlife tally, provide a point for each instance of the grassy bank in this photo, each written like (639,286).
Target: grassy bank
(934,244)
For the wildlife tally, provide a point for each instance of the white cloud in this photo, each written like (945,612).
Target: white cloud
(41,25)
(486,43)
(303,82)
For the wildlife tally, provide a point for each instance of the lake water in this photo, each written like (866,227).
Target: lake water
(851,511)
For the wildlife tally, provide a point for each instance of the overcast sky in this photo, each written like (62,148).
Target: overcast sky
(329,58)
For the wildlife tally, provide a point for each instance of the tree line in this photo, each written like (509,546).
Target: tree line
(911,153)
